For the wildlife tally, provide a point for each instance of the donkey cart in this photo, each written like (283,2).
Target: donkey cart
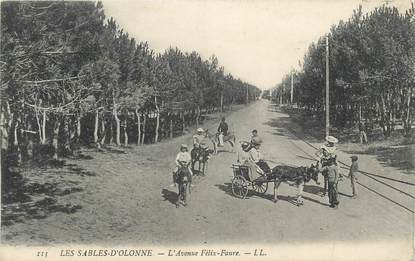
(241,182)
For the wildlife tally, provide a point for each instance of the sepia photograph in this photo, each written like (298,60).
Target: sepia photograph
(196,129)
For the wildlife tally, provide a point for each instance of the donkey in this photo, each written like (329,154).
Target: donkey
(230,138)
(201,156)
(293,175)
(182,179)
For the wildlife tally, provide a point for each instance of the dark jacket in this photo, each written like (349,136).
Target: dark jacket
(332,173)
(223,127)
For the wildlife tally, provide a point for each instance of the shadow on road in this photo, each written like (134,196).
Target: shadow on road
(226,187)
(315,201)
(169,196)
(26,197)
(279,126)
(345,195)
(312,189)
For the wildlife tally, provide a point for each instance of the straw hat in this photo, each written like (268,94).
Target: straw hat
(331,139)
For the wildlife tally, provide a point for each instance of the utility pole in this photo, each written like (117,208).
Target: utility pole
(247,95)
(327,89)
(292,87)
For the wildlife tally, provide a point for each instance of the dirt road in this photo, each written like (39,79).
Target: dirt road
(128,200)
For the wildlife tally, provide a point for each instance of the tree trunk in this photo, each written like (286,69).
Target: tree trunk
(171,126)
(125,132)
(66,130)
(157,120)
(96,126)
(43,141)
(55,144)
(138,126)
(221,101)
(111,132)
(16,143)
(39,127)
(103,132)
(407,122)
(144,129)
(183,122)
(383,117)
(78,128)
(197,116)
(117,126)
(5,127)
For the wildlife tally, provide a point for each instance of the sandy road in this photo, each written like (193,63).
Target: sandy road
(129,200)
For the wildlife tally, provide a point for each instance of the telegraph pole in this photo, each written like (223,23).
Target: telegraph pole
(247,95)
(292,87)
(327,88)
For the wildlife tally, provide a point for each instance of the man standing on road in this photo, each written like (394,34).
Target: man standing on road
(354,168)
(222,130)
(333,179)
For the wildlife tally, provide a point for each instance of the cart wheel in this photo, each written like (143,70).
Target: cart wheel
(260,188)
(239,187)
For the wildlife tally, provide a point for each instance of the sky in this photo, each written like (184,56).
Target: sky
(258,41)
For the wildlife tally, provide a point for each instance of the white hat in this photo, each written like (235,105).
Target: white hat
(183,146)
(200,130)
(331,139)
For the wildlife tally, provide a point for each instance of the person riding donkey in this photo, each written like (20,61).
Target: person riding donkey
(222,130)
(200,146)
(199,140)
(325,154)
(183,161)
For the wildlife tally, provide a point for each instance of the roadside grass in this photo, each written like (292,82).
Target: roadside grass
(395,151)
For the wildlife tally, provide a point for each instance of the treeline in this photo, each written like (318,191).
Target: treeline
(372,72)
(69,76)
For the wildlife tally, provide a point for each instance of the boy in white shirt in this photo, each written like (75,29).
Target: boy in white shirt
(182,158)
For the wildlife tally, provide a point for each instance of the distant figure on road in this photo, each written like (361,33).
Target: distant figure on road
(222,130)
(362,134)
(333,179)
(354,168)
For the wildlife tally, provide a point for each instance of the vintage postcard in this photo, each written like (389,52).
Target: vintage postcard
(209,130)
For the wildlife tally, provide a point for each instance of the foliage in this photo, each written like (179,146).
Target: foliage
(372,71)
(70,75)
